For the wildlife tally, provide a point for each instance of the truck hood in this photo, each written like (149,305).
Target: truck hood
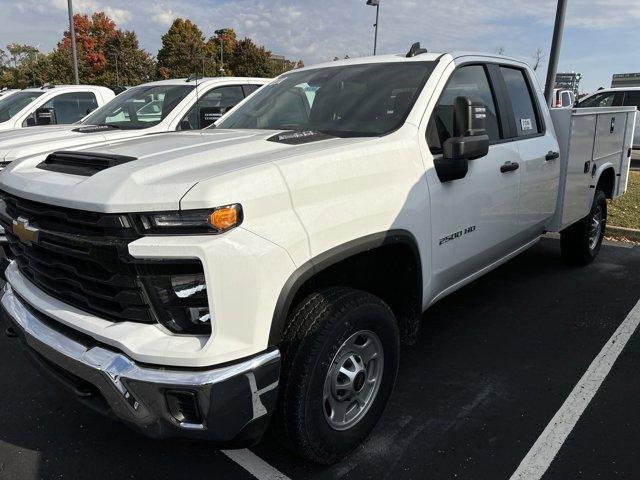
(164,168)
(23,142)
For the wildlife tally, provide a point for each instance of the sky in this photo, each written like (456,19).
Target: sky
(600,38)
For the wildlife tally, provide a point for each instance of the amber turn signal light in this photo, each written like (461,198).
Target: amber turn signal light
(224,218)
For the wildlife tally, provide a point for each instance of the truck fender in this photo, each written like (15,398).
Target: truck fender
(597,175)
(329,258)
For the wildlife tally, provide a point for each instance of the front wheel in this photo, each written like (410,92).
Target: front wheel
(340,356)
(581,242)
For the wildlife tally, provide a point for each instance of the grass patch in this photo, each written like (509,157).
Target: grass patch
(625,211)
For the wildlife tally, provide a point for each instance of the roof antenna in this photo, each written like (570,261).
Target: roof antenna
(416,50)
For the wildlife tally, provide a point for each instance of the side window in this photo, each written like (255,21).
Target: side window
(522,101)
(632,98)
(223,98)
(599,100)
(69,107)
(470,81)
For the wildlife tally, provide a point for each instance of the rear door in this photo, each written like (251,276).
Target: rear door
(538,151)
(473,219)
(632,98)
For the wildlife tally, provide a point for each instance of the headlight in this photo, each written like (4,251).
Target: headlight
(216,220)
(180,302)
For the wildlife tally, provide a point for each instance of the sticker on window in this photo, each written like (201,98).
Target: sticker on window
(526,124)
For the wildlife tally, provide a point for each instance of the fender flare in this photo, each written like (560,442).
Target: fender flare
(598,174)
(332,257)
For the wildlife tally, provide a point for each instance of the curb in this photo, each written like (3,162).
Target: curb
(630,233)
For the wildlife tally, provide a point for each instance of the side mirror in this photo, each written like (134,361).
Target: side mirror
(209,115)
(31,122)
(91,109)
(469,141)
(45,116)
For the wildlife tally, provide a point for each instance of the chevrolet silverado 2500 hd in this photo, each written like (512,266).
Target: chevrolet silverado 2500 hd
(206,284)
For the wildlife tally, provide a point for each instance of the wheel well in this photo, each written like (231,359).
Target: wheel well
(606,182)
(390,271)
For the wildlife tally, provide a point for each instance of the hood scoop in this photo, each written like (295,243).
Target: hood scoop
(84,164)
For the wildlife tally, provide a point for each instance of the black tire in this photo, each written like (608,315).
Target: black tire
(318,329)
(577,242)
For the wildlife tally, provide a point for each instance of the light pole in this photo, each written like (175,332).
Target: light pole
(375,3)
(219,33)
(554,56)
(72,33)
(115,57)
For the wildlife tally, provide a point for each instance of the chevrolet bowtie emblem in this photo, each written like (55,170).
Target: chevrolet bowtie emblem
(24,232)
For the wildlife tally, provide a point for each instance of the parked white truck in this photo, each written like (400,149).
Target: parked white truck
(206,284)
(50,104)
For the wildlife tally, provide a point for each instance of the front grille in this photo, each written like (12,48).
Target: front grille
(80,258)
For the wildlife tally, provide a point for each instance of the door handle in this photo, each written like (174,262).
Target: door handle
(552,156)
(509,167)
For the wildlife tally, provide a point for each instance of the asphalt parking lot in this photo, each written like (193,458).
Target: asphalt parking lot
(493,365)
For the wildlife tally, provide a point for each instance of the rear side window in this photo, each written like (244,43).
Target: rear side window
(599,100)
(472,82)
(632,99)
(522,101)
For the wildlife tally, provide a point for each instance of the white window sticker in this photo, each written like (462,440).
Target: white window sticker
(526,124)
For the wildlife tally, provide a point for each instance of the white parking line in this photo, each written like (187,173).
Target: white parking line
(537,461)
(255,465)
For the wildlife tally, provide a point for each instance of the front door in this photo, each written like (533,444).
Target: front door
(472,219)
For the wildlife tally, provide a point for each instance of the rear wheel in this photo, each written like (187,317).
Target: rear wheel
(581,242)
(340,355)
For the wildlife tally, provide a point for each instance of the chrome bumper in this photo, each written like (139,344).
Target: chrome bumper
(233,404)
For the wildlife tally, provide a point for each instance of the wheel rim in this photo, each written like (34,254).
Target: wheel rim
(353,380)
(595,229)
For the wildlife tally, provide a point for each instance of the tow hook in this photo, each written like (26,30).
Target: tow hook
(10,332)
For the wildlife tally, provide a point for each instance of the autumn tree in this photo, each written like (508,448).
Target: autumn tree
(101,45)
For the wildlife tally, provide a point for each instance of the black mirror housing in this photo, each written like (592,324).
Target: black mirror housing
(45,116)
(469,142)
(467,148)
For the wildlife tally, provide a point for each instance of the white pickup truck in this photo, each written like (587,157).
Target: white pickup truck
(207,284)
(50,104)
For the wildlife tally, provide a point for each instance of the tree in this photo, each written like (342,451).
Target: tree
(538,59)
(100,46)
(183,50)
(250,60)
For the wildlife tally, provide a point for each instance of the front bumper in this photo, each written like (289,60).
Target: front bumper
(233,404)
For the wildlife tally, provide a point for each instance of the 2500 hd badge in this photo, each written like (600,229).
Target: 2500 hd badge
(458,234)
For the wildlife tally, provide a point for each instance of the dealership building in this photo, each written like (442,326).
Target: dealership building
(568,81)
(625,80)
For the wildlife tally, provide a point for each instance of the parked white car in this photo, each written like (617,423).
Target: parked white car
(50,105)
(200,283)
(615,97)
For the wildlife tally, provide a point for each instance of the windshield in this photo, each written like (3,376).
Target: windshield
(357,100)
(12,104)
(139,107)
